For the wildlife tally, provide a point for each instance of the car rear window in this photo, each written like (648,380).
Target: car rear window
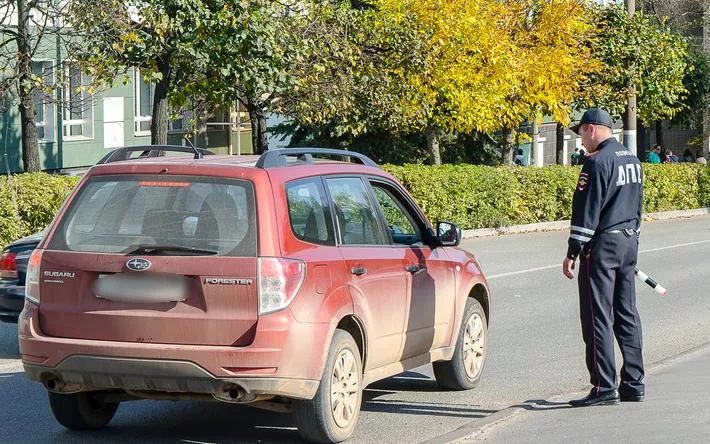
(118,214)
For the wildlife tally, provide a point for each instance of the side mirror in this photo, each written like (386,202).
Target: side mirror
(448,234)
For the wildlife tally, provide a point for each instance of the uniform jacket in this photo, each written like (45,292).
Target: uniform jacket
(608,196)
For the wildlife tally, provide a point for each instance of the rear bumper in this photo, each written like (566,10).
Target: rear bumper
(286,358)
(81,373)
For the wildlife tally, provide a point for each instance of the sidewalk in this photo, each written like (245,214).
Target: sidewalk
(676,410)
(560,225)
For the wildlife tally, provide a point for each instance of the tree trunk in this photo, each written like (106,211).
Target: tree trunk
(26,89)
(644,139)
(159,121)
(508,146)
(263,139)
(659,136)
(432,142)
(560,144)
(257,119)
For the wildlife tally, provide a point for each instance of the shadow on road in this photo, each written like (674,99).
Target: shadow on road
(414,382)
(407,382)
(541,404)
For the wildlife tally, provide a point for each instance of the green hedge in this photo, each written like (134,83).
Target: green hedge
(472,196)
(480,196)
(38,196)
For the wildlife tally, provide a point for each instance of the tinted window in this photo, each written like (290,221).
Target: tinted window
(356,218)
(116,214)
(308,212)
(399,220)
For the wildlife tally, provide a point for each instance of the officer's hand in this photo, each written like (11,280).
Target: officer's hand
(567,267)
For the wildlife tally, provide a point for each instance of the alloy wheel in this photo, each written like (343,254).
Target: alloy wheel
(344,388)
(474,341)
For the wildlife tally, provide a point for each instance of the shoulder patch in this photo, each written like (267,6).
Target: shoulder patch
(583,181)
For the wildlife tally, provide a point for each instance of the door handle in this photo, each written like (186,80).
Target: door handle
(413,268)
(358,271)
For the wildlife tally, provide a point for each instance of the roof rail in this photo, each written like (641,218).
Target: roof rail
(124,153)
(278,157)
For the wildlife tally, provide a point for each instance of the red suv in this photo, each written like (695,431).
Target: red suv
(286,278)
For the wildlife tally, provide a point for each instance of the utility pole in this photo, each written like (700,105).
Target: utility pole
(630,114)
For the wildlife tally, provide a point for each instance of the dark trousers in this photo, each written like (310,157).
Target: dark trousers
(607,306)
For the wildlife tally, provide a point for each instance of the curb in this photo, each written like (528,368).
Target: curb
(560,225)
(479,426)
(11,366)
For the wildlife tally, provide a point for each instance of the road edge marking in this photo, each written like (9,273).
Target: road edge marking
(547,267)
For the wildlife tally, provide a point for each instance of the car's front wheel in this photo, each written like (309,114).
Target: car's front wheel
(81,411)
(465,368)
(331,416)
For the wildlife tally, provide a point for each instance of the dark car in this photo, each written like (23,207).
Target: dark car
(13,266)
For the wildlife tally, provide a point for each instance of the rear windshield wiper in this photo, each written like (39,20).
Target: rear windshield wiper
(162,249)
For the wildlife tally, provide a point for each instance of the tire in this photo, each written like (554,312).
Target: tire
(324,419)
(81,411)
(471,345)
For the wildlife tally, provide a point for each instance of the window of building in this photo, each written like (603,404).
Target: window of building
(218,119)
(144,92)
(78,105)
(176,122)
(44,107)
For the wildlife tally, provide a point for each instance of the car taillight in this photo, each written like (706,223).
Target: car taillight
(8,265)
(32,280)
(279,281)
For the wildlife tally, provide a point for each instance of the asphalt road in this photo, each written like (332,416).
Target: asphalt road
(535,352)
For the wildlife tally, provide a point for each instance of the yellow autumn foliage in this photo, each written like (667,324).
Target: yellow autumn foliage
(490,64)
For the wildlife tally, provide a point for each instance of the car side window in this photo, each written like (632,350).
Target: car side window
(401,223)
(355,215)
(308,211)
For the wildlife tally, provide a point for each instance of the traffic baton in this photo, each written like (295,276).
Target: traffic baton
(651,283)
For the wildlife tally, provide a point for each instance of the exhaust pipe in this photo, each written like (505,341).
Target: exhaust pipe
(52,383)
(234,393)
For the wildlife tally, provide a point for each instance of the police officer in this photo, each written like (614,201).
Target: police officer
(606,216)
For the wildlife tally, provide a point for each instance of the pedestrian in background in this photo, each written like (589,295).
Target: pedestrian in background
(654,155)
(606,216)
(670,157)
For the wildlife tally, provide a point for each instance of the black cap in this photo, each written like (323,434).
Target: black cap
(595,116)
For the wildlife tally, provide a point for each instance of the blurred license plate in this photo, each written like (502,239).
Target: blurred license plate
(146,289)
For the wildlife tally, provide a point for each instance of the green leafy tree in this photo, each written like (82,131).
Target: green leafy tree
(697,82)
(658,57)
(248,53)
(460,66)
(162,38)
(26,27)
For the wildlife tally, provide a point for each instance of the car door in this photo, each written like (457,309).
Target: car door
(430,272)
(377,278)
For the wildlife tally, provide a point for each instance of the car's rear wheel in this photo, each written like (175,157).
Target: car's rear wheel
(331,416)
(465,368)
(81,411)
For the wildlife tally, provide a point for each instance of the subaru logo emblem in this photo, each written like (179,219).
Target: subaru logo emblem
(138,264)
